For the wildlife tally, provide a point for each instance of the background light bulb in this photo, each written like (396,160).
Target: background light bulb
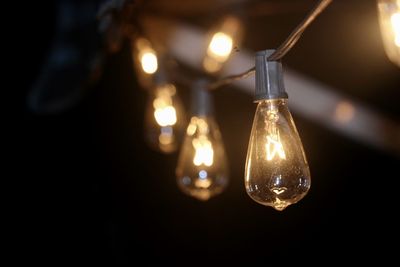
(276,172)
(389,20)
(202,170)
(221,43)
(164,118)
(145,61)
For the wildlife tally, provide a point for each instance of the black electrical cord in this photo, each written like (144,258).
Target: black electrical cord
(282,50)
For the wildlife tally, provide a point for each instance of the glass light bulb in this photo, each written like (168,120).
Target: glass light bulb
(202,170)
(221,43)
(145,61)
(389,20)
(164,122)
(277,172)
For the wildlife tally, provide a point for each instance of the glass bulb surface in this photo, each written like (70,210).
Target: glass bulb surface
(145,61)
(164,119)
(221,43)
(389,20)
(277,172)
(202,170)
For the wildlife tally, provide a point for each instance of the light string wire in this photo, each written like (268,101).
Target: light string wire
(282,50)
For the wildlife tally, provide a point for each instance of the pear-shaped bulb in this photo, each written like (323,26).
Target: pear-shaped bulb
(277,172)
(389,20)
(164,119)
(202,170)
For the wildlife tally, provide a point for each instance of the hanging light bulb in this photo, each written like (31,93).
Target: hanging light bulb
(221,43)
(145,59)
(389,19)
(202,170)
(277,172)
(164,118)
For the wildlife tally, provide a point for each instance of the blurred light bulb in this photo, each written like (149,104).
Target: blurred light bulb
(220,46)
(389,19)
(395,19)
(221,43)
(149,62)
(277,172)
(202,170)
(145,61)
(163,121)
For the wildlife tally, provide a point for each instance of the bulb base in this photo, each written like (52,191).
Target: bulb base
(269,78)
(202,102)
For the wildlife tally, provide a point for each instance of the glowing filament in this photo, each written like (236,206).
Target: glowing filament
(204,152)
(149,62)
(164,111)
(395,19)
(220,46)
(274,147)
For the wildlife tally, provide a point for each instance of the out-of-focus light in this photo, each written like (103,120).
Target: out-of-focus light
(145,56)
(344,112)
(389,19)
(221,43)
(164,118)
(149,62)
(395,19)
(164,111)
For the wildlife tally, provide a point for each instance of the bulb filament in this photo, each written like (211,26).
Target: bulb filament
(395,19)
(274,146)
(164,111)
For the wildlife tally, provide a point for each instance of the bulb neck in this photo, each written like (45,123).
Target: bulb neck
(269,78)
(202,102)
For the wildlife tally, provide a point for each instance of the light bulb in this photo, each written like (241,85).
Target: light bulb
(202,170)
(389,20)
(145,61)
(276,172)
(221,43)
(164,118)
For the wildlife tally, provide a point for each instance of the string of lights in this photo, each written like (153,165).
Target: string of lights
(281,51)
(276,171)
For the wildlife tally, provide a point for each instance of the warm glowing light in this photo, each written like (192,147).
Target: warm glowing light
(165,116)
(164,111)
(274,147)
(277,172)
(389,20)
(149,62)
(146,55)
(344,112)
(203,181)
(220,45)
(204,152)
(395,19)
(166,138)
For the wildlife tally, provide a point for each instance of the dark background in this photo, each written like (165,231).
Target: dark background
(94,192)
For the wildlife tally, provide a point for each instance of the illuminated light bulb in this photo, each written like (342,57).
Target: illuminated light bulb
(389,20)
(202,170)
(220,46)
(145,61)
(164,122)
(221,43)
(149,62)
(147,56)
(395,19)
(276,172)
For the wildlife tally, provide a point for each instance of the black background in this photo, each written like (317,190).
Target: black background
(92,191)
